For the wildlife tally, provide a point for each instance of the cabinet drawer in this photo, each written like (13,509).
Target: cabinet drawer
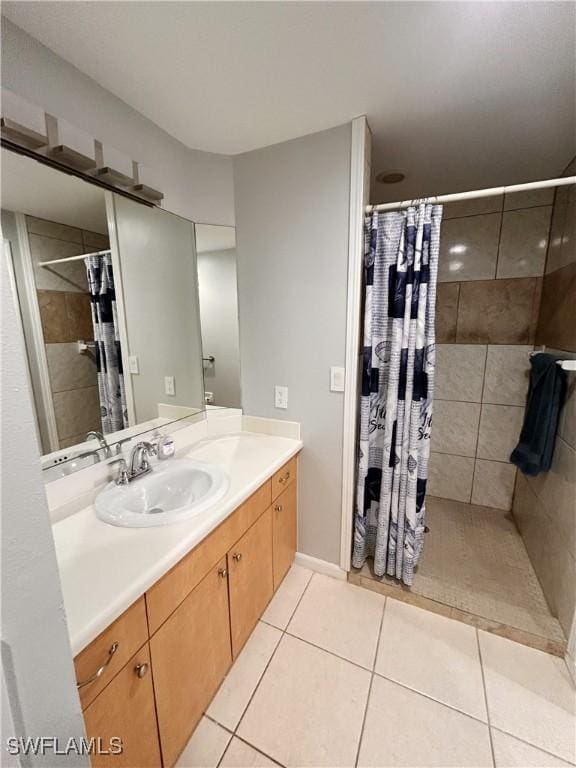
(167,594)
(110,651)
(190,656)
(125,710)
(284,477)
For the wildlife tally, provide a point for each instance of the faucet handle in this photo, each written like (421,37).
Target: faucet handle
(119,445)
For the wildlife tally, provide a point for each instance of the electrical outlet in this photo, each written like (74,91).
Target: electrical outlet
(280,397)
(169,385)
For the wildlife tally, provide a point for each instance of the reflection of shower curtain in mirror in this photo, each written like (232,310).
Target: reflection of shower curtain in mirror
(113,412)
(401,267)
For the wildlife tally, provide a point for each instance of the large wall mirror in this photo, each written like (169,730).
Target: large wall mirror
(108,294)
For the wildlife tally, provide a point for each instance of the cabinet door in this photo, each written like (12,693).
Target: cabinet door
(125,709)
(251,580)
(284,515)
(190,657)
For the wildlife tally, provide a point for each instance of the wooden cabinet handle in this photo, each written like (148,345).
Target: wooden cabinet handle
(278,508)
(237,556)
(141,669)
(285,478)
(99,672)
(222,572)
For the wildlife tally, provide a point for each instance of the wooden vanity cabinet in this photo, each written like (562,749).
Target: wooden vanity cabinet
(175,645)
(125,709)
(250,579)
(191,654)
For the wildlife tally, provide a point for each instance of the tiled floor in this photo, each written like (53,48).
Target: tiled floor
(335,675)
(475,561)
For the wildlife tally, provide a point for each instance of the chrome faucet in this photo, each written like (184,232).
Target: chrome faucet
(102,440)
(138,464)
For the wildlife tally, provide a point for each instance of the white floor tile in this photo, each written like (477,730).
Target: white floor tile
(235,692)
(308,708)
(241,755)
(282,605)
(404,728)
(206,746)
(513,753)
(530,695)
(432,654)
(341,618)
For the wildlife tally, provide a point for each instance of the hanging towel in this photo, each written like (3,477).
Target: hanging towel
(533,454)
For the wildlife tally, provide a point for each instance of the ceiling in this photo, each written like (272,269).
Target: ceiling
(35,189)
(458,95)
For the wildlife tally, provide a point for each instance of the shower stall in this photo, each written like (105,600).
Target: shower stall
(500,547)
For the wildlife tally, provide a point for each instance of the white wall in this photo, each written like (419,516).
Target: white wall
(218,289)
(292,210)
(160,290)
(36,656)
(197,185)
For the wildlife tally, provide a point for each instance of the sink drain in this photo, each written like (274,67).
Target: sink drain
(155,510)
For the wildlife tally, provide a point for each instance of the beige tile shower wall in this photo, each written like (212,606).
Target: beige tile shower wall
(492,261)
(544,507)
(64,305)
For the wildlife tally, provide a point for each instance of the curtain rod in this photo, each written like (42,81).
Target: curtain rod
(476,193)
(72,258)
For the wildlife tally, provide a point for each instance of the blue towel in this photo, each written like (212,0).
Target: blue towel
(534,452)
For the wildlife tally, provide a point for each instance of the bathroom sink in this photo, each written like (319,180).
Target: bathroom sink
(173,491)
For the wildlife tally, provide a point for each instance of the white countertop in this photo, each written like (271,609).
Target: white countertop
(104,569)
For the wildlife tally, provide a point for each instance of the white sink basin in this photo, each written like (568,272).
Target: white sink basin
(175,490)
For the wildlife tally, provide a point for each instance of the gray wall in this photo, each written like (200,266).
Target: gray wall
(197,185)
(160,290)
(36,656)
(218,289)
(292,209)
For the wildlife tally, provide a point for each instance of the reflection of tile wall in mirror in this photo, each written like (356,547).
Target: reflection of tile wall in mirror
(50,215)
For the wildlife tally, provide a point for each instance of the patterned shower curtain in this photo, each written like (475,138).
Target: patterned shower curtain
(113,412)
(401,267)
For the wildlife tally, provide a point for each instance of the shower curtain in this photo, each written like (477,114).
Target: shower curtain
(113,412)
(401,267)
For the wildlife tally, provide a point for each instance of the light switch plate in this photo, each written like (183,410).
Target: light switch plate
(133,365)
(169,385)
(280,396)
(337,374)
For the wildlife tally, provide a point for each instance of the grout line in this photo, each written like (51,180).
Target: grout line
(370,685)
(481,412)
(502,212)
(283,633)
(485,694)
(257,750)
(530,744)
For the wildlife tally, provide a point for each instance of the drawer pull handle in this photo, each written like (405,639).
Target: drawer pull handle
(222,572)
(237,556)
(99,672)
(141,669)
(278,508)
(285,478)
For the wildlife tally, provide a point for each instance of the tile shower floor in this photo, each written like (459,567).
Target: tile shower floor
(336,675)
(475,562)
